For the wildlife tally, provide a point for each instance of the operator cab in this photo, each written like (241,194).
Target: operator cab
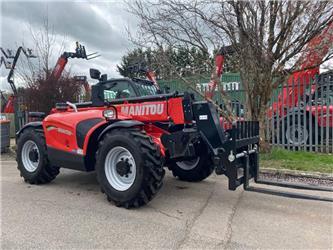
(119,89)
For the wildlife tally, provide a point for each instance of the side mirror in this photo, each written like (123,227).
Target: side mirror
(95,73)
(104,77)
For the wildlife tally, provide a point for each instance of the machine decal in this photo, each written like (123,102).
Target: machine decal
(49,128)
(143,109)
(64,131)
(203,117)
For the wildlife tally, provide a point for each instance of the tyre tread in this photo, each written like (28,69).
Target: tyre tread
(48,172)
(152,160)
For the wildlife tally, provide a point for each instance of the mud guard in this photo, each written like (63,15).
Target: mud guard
(120,124)
(29,125)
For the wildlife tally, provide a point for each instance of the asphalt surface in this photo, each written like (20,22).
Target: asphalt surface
(71,212)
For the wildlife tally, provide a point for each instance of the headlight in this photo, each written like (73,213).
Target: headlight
(110,114)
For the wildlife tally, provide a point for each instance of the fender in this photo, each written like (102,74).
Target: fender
(120,124)
(29,125)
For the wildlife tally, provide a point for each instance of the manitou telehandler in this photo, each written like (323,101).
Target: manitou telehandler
(128,133)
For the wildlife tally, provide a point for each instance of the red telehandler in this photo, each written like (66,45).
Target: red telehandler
(128,135)
(80,52)
(129,132)
(283,110)
(297,133)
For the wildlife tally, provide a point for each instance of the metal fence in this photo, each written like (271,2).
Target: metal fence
(299,115)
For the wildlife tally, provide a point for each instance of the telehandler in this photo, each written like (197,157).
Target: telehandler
(129,132)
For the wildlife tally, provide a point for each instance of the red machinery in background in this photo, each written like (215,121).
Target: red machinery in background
(219,62)
(293,93)
(9,107)
(309,64)
(80,52)
(311,109)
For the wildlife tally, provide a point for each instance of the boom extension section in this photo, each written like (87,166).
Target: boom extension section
(80,52)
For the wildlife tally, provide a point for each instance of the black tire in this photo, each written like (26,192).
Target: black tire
(286,137)
(149,168)
(200,170)
(44,172)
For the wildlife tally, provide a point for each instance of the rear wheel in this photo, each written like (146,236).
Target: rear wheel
(194,170)
(297,134)
(129,167)
(32,158)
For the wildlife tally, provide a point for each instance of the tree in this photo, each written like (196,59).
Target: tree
(267,36)
(186,61)
(44,93)
(38,89)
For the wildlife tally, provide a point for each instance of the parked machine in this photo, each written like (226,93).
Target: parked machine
(131,130)
(127,135)
(7,104)
(80,52)
(306,87)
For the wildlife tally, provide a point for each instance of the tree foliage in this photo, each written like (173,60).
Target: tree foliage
(267,36)
(43,94)
(38,90)
(186,62)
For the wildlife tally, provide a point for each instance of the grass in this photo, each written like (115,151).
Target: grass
(297,160)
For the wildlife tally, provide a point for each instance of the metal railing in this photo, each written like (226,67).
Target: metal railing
(299,115)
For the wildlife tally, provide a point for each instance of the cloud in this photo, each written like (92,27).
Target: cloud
(100,26)
(80,20)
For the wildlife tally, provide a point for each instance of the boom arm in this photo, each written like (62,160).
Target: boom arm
(28,54)
(219,61)
(80,52)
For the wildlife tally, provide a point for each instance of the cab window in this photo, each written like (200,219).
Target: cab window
(118,90)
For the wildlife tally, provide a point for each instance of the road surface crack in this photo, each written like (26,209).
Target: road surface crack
(190,222)
(226,242)
(164,213)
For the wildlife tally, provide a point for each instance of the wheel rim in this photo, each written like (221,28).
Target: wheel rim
(120,168)
(297,135)
(188,165)
(30,156)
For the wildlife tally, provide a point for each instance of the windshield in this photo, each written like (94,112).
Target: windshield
(146,88)
(122,89)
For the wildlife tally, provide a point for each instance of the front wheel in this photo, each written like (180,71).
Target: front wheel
(194,170)
(32,158)
(129,167)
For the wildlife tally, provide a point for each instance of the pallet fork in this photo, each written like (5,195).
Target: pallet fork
(241,164)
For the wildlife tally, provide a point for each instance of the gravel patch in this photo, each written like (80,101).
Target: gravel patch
(297,178)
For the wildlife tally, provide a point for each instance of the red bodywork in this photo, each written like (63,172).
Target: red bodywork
(59,67)
(298,82)
(60,126)
(152,77)
(9,107)
(63,60)
(219,60)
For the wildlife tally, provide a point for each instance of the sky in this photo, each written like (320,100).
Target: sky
(100,26)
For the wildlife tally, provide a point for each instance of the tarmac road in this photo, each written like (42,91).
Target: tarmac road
(71,212)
